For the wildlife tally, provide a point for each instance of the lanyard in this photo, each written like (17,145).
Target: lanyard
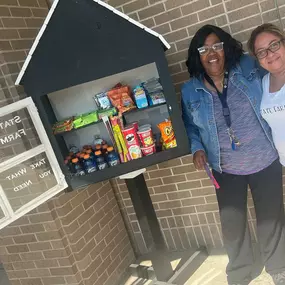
(226,111)
(222,96)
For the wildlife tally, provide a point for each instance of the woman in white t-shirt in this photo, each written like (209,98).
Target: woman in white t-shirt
(267,44)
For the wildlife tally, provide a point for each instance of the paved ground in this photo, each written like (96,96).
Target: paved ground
(212,272)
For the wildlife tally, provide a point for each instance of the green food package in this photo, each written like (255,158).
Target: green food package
(108,113)
(85,119)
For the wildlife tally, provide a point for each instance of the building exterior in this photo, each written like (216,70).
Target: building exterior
(68,240)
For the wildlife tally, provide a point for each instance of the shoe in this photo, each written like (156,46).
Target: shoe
(279,278)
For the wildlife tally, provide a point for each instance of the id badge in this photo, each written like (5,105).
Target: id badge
(235,143)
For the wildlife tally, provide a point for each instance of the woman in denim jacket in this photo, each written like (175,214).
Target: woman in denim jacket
(221,112)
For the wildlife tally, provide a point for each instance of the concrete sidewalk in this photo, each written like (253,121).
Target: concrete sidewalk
(212,272)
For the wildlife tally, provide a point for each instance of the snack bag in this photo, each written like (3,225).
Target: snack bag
(167,134)
(140,97)
(121,98)
(63,126)
(102,101)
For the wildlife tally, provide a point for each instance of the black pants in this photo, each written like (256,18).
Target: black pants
(267,193)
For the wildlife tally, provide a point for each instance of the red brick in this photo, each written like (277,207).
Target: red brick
(168,16)
(13,22)
(154,182)
(9,3)
(133,6)
(4,11)
(178,195)
(183,169)
(169,205)
(189,185)
(170,163)
(193,201)
(160,173)
(151,11)
(21,12)
(165,188)
(28,3)
(39,12)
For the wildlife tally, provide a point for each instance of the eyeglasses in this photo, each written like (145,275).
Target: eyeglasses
(275,46)
(206,49)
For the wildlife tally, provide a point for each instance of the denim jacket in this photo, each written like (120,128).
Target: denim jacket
(198,110)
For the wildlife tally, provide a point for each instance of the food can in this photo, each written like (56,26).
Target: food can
(132,142)
(146,137)
(136,126)
(149,150)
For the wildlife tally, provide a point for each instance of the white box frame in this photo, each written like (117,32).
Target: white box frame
(44,147)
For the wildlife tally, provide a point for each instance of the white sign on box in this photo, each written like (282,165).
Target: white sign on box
(29,171)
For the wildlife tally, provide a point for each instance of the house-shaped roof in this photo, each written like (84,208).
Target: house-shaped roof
(99,2)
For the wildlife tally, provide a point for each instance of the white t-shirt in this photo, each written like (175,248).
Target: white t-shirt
(273,111)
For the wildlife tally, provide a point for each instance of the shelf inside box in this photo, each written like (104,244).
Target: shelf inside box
(74,130)
(123,168)
(100,121)
(143,109)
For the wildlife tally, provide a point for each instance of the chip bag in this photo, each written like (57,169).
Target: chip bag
(121,98)
(167,135)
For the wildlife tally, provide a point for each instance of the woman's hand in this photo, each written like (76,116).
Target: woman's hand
(199,159)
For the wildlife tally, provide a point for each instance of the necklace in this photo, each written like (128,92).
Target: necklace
(221,81)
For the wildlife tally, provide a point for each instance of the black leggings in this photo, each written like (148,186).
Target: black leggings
(267,192)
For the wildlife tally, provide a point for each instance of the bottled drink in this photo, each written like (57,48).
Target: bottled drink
(77,167)
(89,151)
(104,149)
(98,147)
(100,160)
(112,157)
(89,164)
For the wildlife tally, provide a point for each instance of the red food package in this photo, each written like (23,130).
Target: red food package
(121,98)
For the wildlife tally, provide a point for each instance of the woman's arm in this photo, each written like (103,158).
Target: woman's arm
(191,129)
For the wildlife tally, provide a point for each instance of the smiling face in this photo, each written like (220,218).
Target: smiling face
(274,62)
(214,61)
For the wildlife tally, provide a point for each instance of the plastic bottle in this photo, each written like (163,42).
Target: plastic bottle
(100,160)
(104,149)
(89,164)
(98,147)
(112,157)
(89,151)
(77,167)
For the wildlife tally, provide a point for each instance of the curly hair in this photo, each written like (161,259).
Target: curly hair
(264,28)
(232,48)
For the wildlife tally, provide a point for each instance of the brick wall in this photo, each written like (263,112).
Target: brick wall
(183,198)
(75,238)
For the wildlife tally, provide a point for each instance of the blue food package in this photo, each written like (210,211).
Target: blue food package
(140,97)
(102,101)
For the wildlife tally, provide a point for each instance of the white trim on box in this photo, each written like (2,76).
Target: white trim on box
(46,148)
(107,6)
